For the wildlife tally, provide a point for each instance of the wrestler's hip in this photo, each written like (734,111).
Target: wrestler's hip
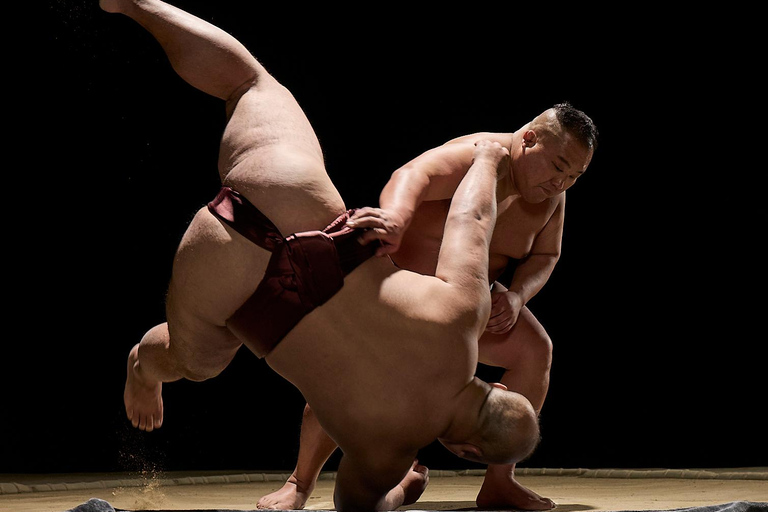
(290,187)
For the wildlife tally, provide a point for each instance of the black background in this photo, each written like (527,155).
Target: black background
(655,309)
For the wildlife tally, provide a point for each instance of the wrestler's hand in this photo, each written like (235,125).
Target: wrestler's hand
(505,308)
(495,153)
(387,226)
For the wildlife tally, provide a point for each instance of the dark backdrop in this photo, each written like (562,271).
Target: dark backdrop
(655,309)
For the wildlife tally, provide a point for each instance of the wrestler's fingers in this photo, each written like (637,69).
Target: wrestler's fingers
(364,213)
(367,223)
(370,235)
(497,308)
(499,329)
(498,321)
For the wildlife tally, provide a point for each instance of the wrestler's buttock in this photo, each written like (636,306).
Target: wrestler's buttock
(215,270)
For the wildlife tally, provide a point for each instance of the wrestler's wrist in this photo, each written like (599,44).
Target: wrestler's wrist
(515,296)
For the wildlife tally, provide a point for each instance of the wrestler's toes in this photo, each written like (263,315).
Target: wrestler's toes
(145,423)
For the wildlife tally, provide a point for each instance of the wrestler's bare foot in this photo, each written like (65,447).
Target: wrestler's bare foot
(414,483)
(291,496)
(501,490)
(143,400)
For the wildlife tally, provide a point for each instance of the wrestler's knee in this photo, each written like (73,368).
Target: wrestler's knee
(542,350)
(538,343)
(192,370)
(237,93)
(198,365)
(526,343)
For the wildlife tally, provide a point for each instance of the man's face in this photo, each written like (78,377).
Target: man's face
(549,167)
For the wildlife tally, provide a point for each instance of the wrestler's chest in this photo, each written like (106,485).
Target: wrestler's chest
(516,230)
(513,236)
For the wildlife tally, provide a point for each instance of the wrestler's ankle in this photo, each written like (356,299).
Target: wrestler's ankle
(135,371)
(303,485)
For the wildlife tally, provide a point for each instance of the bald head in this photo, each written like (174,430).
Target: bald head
(509,429)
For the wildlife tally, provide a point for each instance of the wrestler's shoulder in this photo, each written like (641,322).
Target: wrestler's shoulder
(472,138)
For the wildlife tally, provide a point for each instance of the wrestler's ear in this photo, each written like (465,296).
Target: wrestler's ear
(464,450)
(529,139)
(471,452)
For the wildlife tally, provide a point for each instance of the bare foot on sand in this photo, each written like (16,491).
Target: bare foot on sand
(501,490)
(143,400)
(414,483)
(291,496)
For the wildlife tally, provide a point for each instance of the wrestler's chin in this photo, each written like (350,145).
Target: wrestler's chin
(536,196)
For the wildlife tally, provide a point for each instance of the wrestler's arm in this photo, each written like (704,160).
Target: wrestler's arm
(534,271)
(530,276)
(431,176)
(463,257)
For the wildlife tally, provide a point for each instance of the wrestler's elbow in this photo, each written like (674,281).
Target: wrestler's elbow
(466,305)
(546,260)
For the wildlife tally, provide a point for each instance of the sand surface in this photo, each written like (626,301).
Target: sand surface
(593,490)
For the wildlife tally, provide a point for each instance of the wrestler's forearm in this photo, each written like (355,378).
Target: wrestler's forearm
(433,175)
(475,198)
(469,226)
(531,275)
(404,192)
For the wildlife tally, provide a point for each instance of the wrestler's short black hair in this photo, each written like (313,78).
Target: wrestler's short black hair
(577,123)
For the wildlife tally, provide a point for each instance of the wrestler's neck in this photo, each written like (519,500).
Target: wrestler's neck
(467,408)
(506,186)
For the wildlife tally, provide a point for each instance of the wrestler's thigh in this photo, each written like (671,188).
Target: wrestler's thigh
(270,153)
(214,271)
(262,114)
(525,341)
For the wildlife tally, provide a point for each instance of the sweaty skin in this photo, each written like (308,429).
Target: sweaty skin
(387,364)
(529,228)
(544,162)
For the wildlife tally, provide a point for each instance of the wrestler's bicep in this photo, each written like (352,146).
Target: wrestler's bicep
(445,167)
(550,239)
